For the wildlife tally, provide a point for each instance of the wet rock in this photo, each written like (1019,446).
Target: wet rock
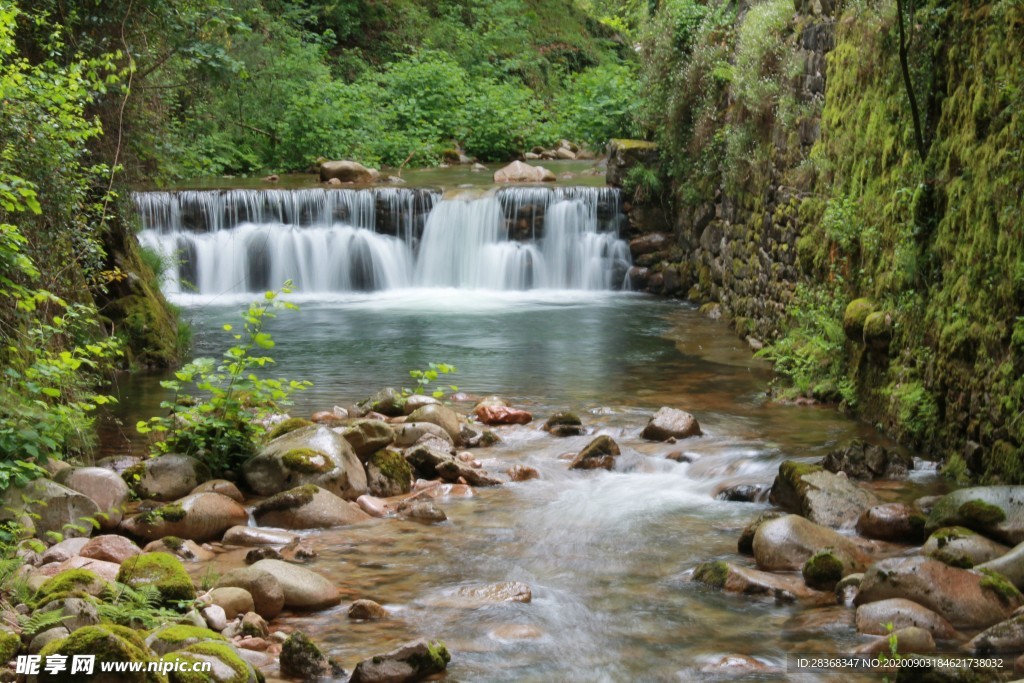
(873,618)
(1006,636)
(860,460)
(670,423)
(167,477)
(473,437)
(425,460)
(104,487)
(422,511)
(564,424)
(892,522)
(909,640)
(105,570)
(824,570)
(522,473)
(368,436)
(367,610)
(182,548)
(509,591)
(311,455)
(302,659)
(266,591)
(416,401)
(743,493)
(453,470)
(223,487)
(501,415)
(197,517)
(347,171)
(732,578)
(233,600)
(745,544)
(518,172)
(43,506)
(65,550)
(375,507)
(598,454)
(303,589)
(215,617)
(388,402)
(967,599)
(118,463)
(110,548)
(820,496)
(254,536)
(847,588)
(786,543)
(254,626)
(307,507)
(410,434)
(443,417)
(961,547)
(650,243)
(388,474)
(257,554)
(995,511)
(1010,565)
(107,643)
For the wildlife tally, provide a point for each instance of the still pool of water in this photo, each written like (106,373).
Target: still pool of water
(605,553)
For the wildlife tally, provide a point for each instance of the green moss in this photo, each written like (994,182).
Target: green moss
(179,633)
(953,559)
(392,465)
(713,574)
(72,583)
(162,570)
(982,513)
(287,426)
(108,644)
(878,330)
(173,543)
(945,535)
(288,500)
(221,651)
(307,461)
(823,570)
(1000,585)
(300,657)
(626,143)
(172,512)
(489,438)
(854,317)
(434,661)
(10,644)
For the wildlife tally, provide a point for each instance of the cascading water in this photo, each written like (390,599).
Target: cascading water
(238,241)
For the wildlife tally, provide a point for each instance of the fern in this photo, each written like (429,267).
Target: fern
(41,620)
(135,607)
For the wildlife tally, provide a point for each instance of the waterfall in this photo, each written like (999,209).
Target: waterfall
(238,241)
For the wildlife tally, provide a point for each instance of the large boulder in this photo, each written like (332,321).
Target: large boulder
(995,511)
(518,172)
(961,547)
(892,522)
(415,661)
(311,455)
(1006,636)
(860,460)
(174,637)
(442,416)
(874,618)
(104,487)
(104,644)
(197,517)
(110,548)
(671,423)
(234,601)
(411,433)
(161,570)
(820,496)
(787,543)
(625,154)
(598,454)
(167,477)
(1010,565)
(46,506)
(303,589)
(348,172)
(388,474)
(966,598)
(307,507)
(368,436)
(264,588)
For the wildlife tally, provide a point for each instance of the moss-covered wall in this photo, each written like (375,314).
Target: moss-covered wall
(838,202)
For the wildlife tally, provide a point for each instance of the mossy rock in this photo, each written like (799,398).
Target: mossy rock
(289,425)
(108,643)
(713,574)
(172,512)
(564,424)
(73,583)
(823,570)
(857,312)
(178,637)
(227,665)
(307,461)
(287,500)
(1000,585)
(994,511)
(388,474)
(10,645)
(302,659)
(878,330)
(162,570)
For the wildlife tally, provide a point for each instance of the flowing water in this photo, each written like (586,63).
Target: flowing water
(605,553)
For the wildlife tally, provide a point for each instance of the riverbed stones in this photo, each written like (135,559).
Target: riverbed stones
(410,434)
(233,600)
(671,423)
(425,460)
(522,473)
(110,548)
(961,547)
(873,618)
(823,497)
(787,543)
(266,591)
(1006,636)
(745,544)
(492,415)
(307,507)
(966,598)
(598,454)
(347,171)
(224,663)
(518,172)
(167,477)
(388,474)
(45,506)
(995,511)
(861,460)
(105,643)
(311,455)
(182,548)
(64,550)
(452,471)
(564,424)
(174,637)
(442,416)
(366,610)
(198,517)
(104,487)
(422,511)
(250,536)
(303,588)
(907,640)
(368,436)
(733,578)
(897,522)
(221,486)
(414,661)
(1010,565)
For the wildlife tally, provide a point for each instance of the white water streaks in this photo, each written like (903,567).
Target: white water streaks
(218,243)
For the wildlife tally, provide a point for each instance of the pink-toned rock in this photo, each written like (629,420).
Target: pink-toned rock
(110,548)
(221,486)
(65,550)
(104,570)
(501,415)
(371,505)
(522,473)
(518,172)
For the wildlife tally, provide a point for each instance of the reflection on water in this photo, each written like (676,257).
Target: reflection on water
(604,552)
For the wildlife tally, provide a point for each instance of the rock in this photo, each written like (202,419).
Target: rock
(650,243)
(415,661)
(518,172)
(857,311)
(425,461)
(375,507)
(744,493)
(909,640)
(389,402)
(453,470)
(104,487)
(233,600)
(225,664)
(107,644)
(221,486)
(254,536)
(182,548)
(77,612)
(598,454)
(422,511)
(167,477)
(960,547)
(215,617)
(366,610)
(820,496)
(307,507)
(416,401)
(522,473)
(311,455)
(787,543)
(442,416)
(966,598)
(118,463)
(264,588)
(253,625)
(105,570)
(197,517)
(410,433)
(732,578)
(878,328)
(1006,636)
(860,460)
(64,550)
(995,511)
(368,436)
(161,570)
(43,506)
(69,583)
(734,666)
(303,589)
(564,424)
(1010,565)
(257,554)
(348,172)
(110,548)
(565,154)
(897,522)
(501,415)
(669,423)
(509,591)
(745,544)
(388,474)
(43,639)
(846,590)
(824,570)
(624,155)
(872,618)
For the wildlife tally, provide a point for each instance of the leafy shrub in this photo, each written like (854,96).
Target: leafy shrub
(600,104)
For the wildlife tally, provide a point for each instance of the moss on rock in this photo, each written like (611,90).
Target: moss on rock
(10,644)
(172,512)
(823,570)
(200,652)
(73,583)
(433,661)
(392,465)
(289,425)
(981,513)
(307,461)
(1000,585)
(857,312)
(162,570)
(287,500)
(108,643)
(301,658)
(713,574)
